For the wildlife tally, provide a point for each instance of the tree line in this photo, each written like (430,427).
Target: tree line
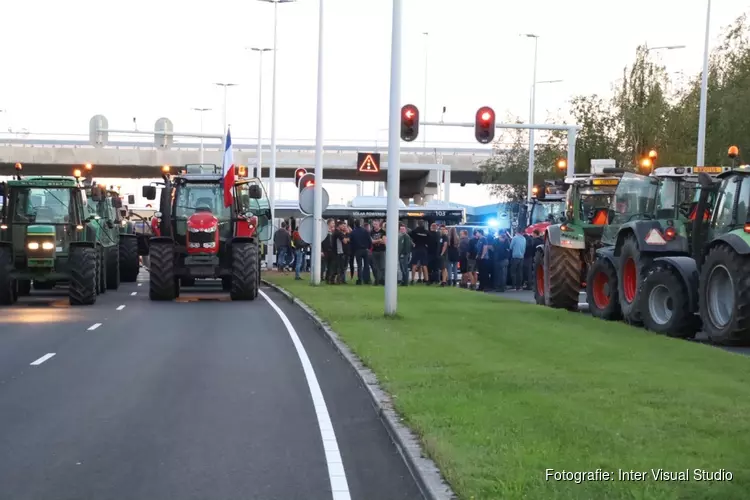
(647,110)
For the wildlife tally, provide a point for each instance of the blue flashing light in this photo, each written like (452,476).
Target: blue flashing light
(493,223)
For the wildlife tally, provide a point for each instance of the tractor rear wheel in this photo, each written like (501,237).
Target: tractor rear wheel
(8,285)
(83,276)
(24,288)
(724,296)
(562,277)
(244,271)
(665,304)
(128,259)
(113,267)
(538,282)
(630,265)
(601,291)
(162,282)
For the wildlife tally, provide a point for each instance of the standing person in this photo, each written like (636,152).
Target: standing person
(361,242)
(328,254)
(341,239)
(283,243)
(518,251)
(483,262)
(300,248)
(443,258)
(471,265)
(405,246)
(528,260)
(420,237)
(453,257)
(463,257)
(378,253)
(433,255)
(501,261)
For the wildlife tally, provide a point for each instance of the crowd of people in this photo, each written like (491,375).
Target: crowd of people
(428,254)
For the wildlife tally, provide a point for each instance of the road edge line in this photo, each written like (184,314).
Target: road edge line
(423,469)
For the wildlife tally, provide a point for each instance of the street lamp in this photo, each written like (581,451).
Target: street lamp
(258,161)
(272,174)
(704,95)
(226,86)
(532,118)
(201,111)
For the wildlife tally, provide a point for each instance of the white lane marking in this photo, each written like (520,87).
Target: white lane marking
(120,308)
(43,359)
(133,294)
(94,326)
(140,284)
(336,473)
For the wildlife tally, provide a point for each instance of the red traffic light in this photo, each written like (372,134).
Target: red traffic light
(306,181)
(484,125)
(298,174)
(409,122)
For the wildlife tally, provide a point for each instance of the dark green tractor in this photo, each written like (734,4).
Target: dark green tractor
(650,217)
(48,235)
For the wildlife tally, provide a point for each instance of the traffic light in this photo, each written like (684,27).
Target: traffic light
(298,174)
(306,181)
(409,122)
(484,125)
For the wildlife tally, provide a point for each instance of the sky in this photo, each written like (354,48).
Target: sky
(64,62)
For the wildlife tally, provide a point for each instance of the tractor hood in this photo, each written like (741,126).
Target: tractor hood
(40,230)
(539,226)
(40,246)
(202,221)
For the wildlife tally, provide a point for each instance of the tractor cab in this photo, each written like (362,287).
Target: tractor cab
(547,207)
(588,200)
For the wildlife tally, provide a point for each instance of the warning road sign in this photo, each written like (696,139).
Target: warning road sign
(368,163)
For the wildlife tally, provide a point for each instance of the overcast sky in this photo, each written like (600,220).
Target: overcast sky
(63,62)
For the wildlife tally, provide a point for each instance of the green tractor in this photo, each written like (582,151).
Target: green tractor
(715,281)
(650,217)
(48,235)
(562,262)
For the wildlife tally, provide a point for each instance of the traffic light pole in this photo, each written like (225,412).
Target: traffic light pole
(394,173)
(572,131)
(315,253)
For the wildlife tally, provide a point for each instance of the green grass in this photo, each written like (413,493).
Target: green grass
(499,391)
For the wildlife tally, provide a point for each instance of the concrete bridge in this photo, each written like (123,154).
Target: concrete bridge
(421,168)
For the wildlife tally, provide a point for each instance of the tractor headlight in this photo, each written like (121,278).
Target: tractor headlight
(48,245)
(210,245)
(33,245)
(194,245)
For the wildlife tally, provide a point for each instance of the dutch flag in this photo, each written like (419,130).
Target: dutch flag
(228,171)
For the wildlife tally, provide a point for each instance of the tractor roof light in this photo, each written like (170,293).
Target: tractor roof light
(19,167)
(89,166)
(733,152)
(653,154)
(77,173)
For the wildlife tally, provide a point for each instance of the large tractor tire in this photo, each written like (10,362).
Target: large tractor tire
(113,267)
(724,296)
(601,291)
(244,271)
(665,304)
(630,265)
(562,277)
(24,288)
(83,276)
(102,272)
(128,259)
(162,282)
(8,287)
(538,282)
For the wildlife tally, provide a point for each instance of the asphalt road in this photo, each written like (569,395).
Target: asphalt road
(201,398)
(528,296)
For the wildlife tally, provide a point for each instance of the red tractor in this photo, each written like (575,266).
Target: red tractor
(547,207)
(201,238)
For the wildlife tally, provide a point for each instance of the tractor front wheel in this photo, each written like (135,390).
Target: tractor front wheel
(629,280)
(128,259)
(601,291)
(244,279)
(665,304)
(539,276)
(562,277)
(8,293)
(83,276)
(724,296)
(162,282)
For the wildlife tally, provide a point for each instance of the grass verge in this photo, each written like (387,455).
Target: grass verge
(499,391)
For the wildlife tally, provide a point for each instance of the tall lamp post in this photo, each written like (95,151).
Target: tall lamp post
(201,111)
(259,154)
(704,95)
(226,87)
(272,174)
(532,119)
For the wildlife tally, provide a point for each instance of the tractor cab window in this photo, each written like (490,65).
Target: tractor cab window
(194,197)
(594,205)
(743,201)
(551,211)
(667,200)
(722,218)
(634,199)
(42,206)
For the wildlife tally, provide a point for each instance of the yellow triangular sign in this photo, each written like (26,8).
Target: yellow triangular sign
(368,165)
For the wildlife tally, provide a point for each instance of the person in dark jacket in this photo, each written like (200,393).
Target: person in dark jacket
(282,241)
(528,259)
(379,241)
(361,242)
(340,247)
(501,260)
(328,255)
(433,255)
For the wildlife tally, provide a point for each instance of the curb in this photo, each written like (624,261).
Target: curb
(423,470)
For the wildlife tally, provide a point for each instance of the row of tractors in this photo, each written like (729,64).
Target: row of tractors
(669,251)
(70,231)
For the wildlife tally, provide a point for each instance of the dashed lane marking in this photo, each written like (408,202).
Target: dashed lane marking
(94,326)
(336,472)
(140,284)
(133,294)
(120,308)
(42,359)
